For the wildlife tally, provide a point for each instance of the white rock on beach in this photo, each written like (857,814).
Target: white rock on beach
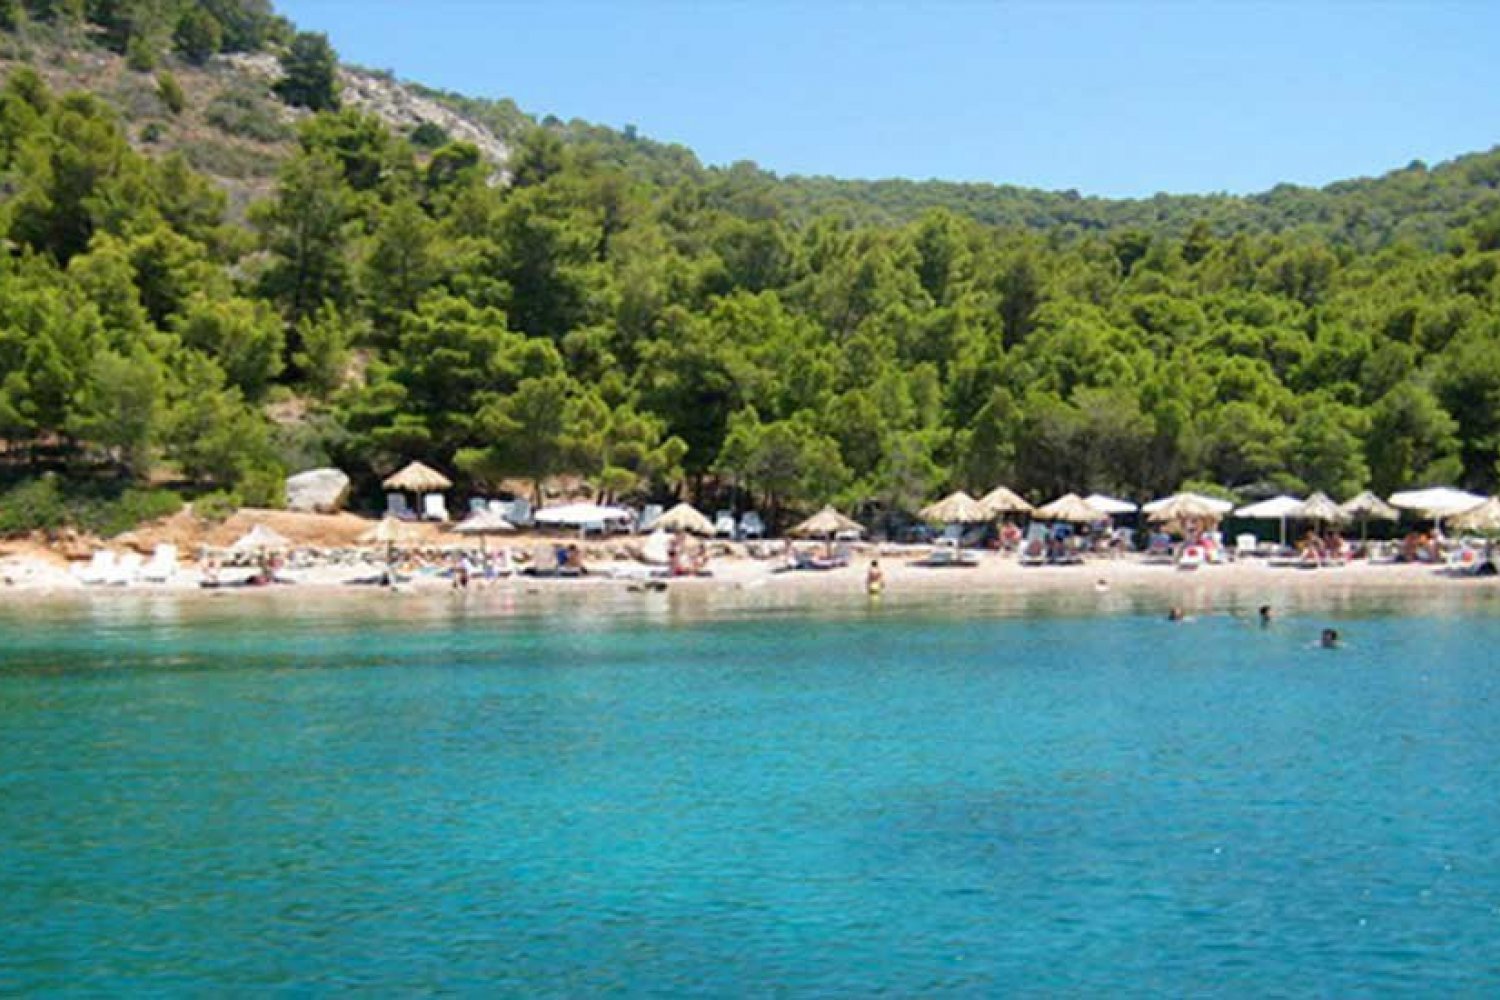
(317,491)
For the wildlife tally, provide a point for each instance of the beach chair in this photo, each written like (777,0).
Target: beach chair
(751,526)
(520,513)
(650,514)
(1245,545)
(1033,552)
(478,505)
(1192,557)
(724,524)
(1464,561)
(163,564)
(100,569)
(128,570)
(396,506)
(434,507)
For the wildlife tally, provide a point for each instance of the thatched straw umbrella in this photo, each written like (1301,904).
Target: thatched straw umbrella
(1366,506)
(1002,500)
(1484,517)
(1071,508)
(1319,507)
(421,481)
(1183,506)
(825,524)
(483,523)
(260,537)
(418,478)
(685,517)
(390,532)
(956,508)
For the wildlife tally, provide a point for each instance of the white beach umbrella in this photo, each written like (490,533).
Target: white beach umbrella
(1274,509)
(577,515)
(1484,517)
(1110,505)
(1438,502)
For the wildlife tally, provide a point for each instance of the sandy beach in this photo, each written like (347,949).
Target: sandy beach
(30,569)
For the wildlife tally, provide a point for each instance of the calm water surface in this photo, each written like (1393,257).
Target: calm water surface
(505,795)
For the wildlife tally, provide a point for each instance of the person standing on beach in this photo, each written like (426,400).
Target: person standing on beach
(874,578)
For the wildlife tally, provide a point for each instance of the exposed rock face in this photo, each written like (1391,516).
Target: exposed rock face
(317,491)
(399,107)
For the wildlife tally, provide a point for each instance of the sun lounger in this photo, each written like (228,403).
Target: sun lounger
(751,526)
(650,514)
(100,568)
(163,564)
(1192,557)
(724,524)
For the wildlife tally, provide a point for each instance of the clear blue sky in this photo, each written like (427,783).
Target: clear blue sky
(1120,99)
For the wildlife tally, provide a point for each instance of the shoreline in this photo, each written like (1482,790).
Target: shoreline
(28,580)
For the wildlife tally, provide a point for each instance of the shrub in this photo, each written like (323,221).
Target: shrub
(140,54)
(170,92)
(263,487)
(429,135)
(34,505)
(132,507)
(243,112)
(217,506)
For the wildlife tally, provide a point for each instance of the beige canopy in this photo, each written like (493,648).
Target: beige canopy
(684,517)
(1070,507)
(1319,507)
(1368,505)
(826,522)
(1485,517)
(390,531)
(418,478)
(1184,506)
(1002,500)
(484,522)
(956,508)
(260,537)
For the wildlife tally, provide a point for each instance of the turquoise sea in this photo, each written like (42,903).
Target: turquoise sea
(730,795)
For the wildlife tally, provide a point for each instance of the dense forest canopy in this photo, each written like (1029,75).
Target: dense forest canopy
(617,312)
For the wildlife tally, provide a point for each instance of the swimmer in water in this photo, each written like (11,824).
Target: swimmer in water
(1329,639)
(1175,614)
(1265,614)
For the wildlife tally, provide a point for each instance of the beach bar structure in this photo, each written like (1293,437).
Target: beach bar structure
(424,483)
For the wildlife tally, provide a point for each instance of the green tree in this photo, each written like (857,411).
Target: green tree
(306,230)
(198,35)
(120,406)
(244,337)
(309,70)
(1412,441)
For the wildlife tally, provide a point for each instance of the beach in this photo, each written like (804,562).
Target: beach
(331,558)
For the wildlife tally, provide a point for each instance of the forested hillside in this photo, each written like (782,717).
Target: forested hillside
(618,312)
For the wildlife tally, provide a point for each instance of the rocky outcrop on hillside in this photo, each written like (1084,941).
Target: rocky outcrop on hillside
(385,97)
